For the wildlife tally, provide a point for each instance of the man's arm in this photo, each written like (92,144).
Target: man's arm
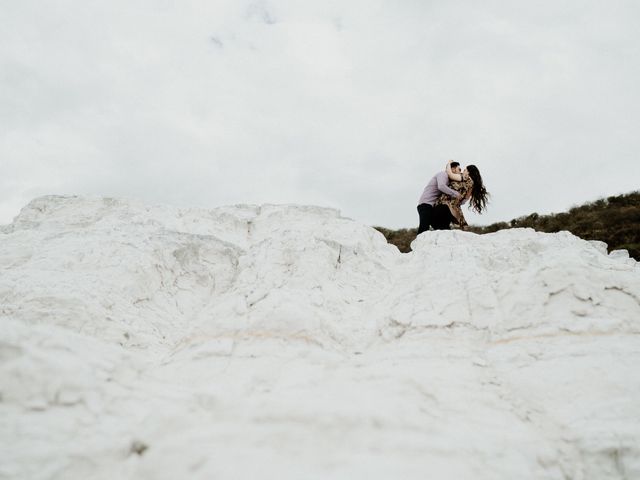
(443,187)
(453,176)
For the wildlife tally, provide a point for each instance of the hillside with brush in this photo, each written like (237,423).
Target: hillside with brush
(614,220)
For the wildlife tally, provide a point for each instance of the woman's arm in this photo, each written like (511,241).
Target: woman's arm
(453,176)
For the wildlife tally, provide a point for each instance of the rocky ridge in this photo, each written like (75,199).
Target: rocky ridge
(284,341)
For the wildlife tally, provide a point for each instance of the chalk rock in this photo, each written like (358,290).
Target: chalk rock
(283,341)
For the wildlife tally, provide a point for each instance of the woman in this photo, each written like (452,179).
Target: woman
(469,185)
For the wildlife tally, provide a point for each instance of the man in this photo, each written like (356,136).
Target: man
(439,216)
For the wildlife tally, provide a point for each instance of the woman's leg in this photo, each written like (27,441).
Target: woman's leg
(456,213)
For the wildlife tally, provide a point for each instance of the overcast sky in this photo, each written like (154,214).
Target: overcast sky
(348,104)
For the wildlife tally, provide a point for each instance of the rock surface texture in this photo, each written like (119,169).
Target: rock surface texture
(287,342)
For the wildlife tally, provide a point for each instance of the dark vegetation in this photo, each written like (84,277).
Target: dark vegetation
(614,220)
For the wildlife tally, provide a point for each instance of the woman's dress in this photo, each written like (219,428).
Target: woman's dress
(463,188)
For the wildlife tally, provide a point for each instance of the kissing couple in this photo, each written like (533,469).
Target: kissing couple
(441,201)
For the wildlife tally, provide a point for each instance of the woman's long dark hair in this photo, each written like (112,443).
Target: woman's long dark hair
(479,194)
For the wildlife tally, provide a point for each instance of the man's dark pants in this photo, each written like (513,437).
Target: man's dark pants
(438,217)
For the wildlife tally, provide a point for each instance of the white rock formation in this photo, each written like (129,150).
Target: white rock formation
(279,342)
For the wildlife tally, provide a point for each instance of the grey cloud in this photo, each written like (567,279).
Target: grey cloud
(261,10)
(297,108)
(216,41)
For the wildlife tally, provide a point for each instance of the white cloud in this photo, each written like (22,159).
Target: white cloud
(348,104)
